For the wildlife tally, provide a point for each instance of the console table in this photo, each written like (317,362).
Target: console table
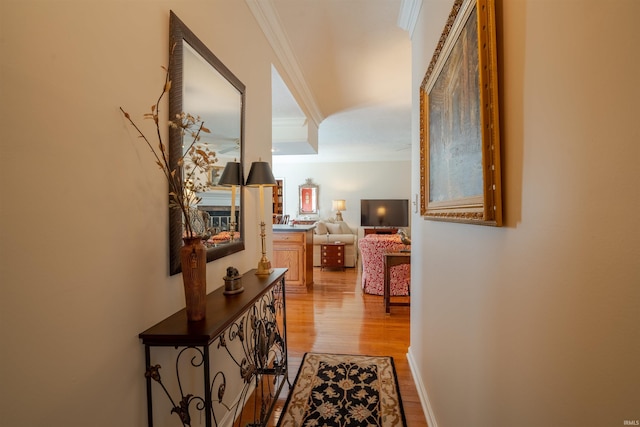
(380,230)
(237,353)
(391,259)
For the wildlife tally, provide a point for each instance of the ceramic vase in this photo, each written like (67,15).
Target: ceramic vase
(193,258)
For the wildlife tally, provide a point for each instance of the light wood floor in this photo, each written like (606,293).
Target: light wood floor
(337,317)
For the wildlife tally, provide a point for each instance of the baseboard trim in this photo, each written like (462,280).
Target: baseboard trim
(422,391)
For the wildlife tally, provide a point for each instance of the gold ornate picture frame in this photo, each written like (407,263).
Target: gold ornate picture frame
(459,127)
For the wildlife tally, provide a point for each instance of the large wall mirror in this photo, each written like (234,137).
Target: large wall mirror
(308,193)
(202,86)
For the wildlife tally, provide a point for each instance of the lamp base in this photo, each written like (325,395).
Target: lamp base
(264,265)
(339,216)
(232,230)
(264,268)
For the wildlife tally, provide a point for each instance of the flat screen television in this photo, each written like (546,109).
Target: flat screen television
(384,212)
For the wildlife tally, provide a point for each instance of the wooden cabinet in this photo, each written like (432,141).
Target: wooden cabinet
(288,252)
(332,255)
(293,249)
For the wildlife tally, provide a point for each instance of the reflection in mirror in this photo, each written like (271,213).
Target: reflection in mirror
(308,198)
(202,86)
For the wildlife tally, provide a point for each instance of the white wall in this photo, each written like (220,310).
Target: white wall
(83,220)
(537,323)
(350,181)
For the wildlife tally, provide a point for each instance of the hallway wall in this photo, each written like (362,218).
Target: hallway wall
(83,207)
(537,323)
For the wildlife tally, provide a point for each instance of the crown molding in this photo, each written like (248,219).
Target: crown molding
(268,20)
(408,16)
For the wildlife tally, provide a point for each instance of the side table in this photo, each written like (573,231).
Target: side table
(332,255)
(391,259)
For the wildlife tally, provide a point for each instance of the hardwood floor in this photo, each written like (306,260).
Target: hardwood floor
(337,317)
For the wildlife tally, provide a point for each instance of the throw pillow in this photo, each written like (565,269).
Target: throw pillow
(334,228)
(344,228)
(321,227)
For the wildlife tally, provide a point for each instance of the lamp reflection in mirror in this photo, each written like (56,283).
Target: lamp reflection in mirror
(260,175)
(232,177)
(338,206)
(382,212)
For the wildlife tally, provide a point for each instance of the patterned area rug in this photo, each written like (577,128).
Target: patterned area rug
(344,390)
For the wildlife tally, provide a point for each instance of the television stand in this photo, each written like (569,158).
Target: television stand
(380,230)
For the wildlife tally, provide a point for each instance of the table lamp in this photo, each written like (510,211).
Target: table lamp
(338,206)
(260,175)
(232,177)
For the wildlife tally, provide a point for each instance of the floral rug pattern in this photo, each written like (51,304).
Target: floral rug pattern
(345,391)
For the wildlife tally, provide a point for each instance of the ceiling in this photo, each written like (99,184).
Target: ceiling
(348,63)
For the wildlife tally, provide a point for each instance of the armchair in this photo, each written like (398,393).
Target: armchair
(372,247)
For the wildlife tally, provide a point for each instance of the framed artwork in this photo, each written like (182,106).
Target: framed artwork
(459,127)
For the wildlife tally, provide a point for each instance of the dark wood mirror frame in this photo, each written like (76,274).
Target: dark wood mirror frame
(179,33)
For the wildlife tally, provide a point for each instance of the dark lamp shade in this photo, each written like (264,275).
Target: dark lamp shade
(260,174)
(232,174)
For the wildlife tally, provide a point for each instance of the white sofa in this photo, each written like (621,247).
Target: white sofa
(335,231)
